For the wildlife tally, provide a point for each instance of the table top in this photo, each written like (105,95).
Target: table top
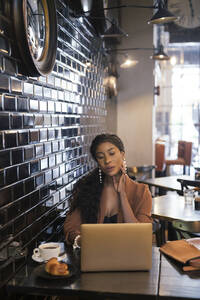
(168,183)
(172,207)
(177,283)
(123,285)
(165,280)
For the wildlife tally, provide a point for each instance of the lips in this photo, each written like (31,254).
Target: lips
(110,169)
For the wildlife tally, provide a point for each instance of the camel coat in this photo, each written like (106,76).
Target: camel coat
(140,201)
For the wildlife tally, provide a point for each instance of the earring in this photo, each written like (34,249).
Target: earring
(100,176)
(125,166)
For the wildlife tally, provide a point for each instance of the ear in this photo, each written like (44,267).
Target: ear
(122,155)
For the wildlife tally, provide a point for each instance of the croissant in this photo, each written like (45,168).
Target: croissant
(54,267)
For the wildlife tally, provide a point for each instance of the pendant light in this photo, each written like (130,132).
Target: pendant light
(160,54)
(162,15)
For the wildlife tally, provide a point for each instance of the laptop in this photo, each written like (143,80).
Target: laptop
(116,247)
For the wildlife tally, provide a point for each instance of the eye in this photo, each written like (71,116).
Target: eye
(100,157)
(112,153)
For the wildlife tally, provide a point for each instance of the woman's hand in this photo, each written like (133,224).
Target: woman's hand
(119,185)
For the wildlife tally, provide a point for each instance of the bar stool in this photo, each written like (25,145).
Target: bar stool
(184,156)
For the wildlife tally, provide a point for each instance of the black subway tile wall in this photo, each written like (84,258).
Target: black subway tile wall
(46,127)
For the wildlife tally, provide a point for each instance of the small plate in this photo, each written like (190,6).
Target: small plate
(40,272)
(40,259)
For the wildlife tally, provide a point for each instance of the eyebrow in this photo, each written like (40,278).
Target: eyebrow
(107,150)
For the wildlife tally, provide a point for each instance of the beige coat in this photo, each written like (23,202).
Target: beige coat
(140,201)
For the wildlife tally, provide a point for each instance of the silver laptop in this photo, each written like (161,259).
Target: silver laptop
(116,247)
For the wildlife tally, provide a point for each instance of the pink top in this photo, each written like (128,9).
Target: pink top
(140,200)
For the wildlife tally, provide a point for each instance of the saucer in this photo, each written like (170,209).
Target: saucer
(40,259)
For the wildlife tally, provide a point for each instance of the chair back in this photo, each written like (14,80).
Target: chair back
(160,156)
(185,151)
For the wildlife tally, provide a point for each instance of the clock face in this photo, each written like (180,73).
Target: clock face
(188,12)
(35,31)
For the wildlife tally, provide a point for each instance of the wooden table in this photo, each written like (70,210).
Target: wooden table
(176,284)
(168,183)
(165,280)
(172,208)
(95,285)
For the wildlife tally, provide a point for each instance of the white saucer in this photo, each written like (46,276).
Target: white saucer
(40,259)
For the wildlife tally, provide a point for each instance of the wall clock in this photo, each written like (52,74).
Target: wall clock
(35,30)
(188,12)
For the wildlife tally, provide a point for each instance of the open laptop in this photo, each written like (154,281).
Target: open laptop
(116,247)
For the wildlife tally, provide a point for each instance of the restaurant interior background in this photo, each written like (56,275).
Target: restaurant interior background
(47,121)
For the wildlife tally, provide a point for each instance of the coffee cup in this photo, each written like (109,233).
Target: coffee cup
(47,250)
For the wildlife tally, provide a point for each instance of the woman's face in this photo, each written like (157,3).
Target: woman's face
(109,158)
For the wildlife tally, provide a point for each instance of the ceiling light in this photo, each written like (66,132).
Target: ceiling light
(113,31)
(160,54)
(162,16)
(128,63)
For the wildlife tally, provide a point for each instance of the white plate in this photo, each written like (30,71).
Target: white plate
(40,259)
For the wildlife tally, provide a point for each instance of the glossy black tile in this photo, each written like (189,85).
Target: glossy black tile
(15,86)
(39,120)
(39,150)
(9,103)
(29,185)
(23,138)
(44,163)
(18,190)
(4,121)
(55,173)
(39,180)
(11,175)
(44,192)
(24,171)
(33,105)
(29,153)
(2,178)
(51,134)
(5,196)
(16,122)
(43,134)
(10,139)
(47,148)
(28,121)
(55,146)
(34,136)
(4,83)
(34,167)
(52,160)
(34,198)
(48,176)
(9,65)
(4,46)
(22,104)
(17,156)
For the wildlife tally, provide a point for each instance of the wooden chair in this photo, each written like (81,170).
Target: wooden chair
(160,159)
(184,155)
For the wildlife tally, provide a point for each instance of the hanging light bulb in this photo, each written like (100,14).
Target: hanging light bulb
(128,62)
(160,54)
(162,16)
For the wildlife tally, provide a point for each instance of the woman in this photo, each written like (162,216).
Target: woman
(107,194)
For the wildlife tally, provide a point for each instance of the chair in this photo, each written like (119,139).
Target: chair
(160,159)
(184,155)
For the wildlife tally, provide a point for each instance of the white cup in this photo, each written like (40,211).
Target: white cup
(47,251)
(189,195)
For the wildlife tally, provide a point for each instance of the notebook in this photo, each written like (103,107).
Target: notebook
(116,247)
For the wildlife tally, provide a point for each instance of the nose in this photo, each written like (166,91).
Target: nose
(107,159)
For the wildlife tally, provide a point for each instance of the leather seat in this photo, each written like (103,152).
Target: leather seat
(184,155)
(160,159)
